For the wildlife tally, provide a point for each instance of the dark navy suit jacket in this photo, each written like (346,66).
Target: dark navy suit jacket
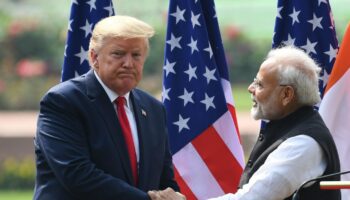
(80,150)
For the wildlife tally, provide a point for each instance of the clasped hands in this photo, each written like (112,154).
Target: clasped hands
(167,194)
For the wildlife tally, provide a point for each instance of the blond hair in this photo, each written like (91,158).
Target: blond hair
(119,26)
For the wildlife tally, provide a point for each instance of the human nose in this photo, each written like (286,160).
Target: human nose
(127,61)
(251,88)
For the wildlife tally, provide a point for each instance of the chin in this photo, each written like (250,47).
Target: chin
(255,113)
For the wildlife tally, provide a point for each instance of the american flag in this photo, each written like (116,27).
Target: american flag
(204,137)
(308,24)
(83,17)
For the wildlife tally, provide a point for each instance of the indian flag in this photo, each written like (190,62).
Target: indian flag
(335,106)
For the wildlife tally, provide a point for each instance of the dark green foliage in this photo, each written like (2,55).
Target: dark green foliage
(17,174)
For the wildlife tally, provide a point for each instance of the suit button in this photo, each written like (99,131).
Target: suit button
(250,163)
(261,137)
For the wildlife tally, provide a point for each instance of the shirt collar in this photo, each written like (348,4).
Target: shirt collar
(110,93)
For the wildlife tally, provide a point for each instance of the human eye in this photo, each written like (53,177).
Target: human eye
(118,53)
(136,55)
(257,83)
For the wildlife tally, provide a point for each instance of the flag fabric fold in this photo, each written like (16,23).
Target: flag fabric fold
(201,119)
(308,25)
(83,17)
(335,106)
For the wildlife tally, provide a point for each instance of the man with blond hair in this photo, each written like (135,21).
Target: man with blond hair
(98,136)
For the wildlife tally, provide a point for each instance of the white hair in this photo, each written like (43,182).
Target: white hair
(298,69)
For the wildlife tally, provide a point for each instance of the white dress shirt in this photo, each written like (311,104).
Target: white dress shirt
(129,113)
(295,161)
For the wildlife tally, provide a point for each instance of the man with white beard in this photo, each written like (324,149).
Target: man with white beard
(295,145)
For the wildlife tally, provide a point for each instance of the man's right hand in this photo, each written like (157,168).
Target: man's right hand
(167,194)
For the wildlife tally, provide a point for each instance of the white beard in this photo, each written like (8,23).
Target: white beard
(256,112)
(265,111)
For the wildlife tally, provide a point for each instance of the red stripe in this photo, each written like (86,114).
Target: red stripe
(334,187)
(184,189)
(233,114)
(219,159)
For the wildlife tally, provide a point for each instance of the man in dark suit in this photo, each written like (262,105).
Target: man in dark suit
(89,147)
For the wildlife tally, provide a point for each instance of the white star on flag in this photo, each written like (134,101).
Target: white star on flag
(70,25)
(182,123)
(92,4)
(193,45)
(290,41)
(169,67)
(191,72)
(324,78)
(316,22)
(174,42)
(109,9)
(322,1)
(165,94)
(279,12)
(209,74)
(179,14)
(87,28)
(209,50)
(309,47)
(83,55)
(194,19)
(187,97)
(208,101)
(332,53)
(294,16)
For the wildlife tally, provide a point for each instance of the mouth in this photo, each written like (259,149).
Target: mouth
(255,103)
(125,74)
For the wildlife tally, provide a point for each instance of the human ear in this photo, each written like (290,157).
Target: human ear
(288,94)
(93,56)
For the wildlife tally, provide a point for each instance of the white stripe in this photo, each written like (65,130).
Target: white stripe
(335,111)
(226,129)
(226,85)
(195,173)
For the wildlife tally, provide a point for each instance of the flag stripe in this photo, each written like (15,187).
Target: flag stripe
(226,129)
(335,106)
(210,145)
(232,111)
(226,85)
(230,101)
(183,186)
(195,173)
(343,60)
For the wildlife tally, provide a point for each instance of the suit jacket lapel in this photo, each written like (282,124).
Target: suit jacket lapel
(140,113)
(107,112)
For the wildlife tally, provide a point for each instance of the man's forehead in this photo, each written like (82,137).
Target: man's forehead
(268,70)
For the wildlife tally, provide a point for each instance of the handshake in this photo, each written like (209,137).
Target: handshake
(167,194)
